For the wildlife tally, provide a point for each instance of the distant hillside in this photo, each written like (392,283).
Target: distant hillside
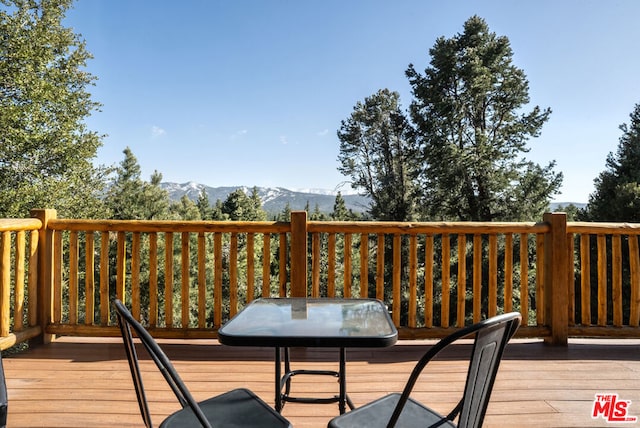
(555,205)
(274,200)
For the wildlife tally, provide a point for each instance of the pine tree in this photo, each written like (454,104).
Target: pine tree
(131,198)
(204,206)
(377,150)
(617,189)
(46,150)
(468,111)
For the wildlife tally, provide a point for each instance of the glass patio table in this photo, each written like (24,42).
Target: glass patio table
(299,322)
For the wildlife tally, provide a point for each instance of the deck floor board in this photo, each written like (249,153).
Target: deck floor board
(85,382)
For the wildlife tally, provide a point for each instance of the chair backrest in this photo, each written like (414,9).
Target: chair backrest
(491,337)
(4,404)
(128,323)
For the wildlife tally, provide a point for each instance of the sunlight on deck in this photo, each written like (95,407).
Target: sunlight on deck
(81,382)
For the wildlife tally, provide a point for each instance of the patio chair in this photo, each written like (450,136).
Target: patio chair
(3,397)
(240,407)
(491,337)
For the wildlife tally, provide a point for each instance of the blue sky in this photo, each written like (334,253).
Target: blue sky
(252,92)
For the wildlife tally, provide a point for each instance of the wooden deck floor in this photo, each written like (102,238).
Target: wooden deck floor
(86,383)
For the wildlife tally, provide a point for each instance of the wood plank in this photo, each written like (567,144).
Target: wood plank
(80,382)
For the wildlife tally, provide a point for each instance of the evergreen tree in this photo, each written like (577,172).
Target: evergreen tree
(468,111)
(257,212)
(285,214)
(340,211)
(617,189)
(131,198)
(240,207)
(377,150)
(205,208)
(46,150)
(318,215)
(185,209)
(217,213)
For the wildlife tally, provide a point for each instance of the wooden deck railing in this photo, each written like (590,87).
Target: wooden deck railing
(185,279)
(18,280)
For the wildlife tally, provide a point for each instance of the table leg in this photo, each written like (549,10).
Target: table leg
(287,370)
(343,381)
(278,388)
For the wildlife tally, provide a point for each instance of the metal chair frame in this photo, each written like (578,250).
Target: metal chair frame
(127,323)
(491,337)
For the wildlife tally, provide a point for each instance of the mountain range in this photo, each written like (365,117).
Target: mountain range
(275,199)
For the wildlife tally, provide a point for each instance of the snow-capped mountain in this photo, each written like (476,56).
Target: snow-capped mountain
(274,200)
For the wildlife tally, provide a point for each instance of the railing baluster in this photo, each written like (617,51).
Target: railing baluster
(73,277)
(266,266)
(477,278)
(446,280)
(104,278)
(539,297)
(462,280)
(233,275)
(315,265)
(508,272)
(283,265)
(250,267)
(185,258)
(428,281)
(585,278)
(413,280)
(168,279)
(217,279)
(602,280)
(202,280)
(634,268)
(121,266)
(331,265)
(5,283)
(493,275)
(571,280)
(33,278)
(616,279)
(18,298)
(57,277)
(135,275)
(364,265)
(89,278)
(524,278)
(153,279)
(396,285)
(346,263)
(380,268)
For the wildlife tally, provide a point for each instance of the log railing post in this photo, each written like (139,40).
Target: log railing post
(298,254)
(45,272)
(556,265)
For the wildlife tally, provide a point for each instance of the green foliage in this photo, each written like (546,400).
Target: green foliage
(46,150)
(204,206)
(240,207)
(617,189)
(571,210)
(340,211)
(131,198)
(185,209)
(467,111)
(377,148)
